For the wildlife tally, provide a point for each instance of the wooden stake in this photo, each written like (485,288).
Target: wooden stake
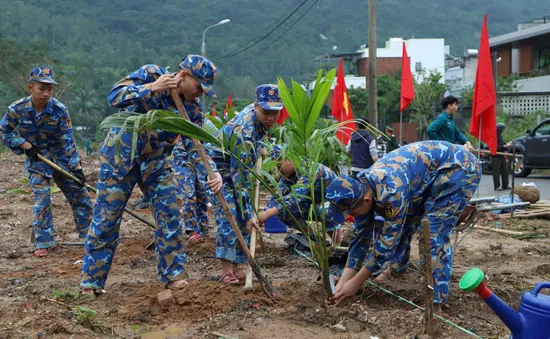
(248,282)
(271,292)
(496,230)
(429,293)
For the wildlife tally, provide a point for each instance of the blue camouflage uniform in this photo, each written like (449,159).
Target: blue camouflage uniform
(298,201)
(425,182)
(246,132)
(52,132)
(190,176)
(120,172)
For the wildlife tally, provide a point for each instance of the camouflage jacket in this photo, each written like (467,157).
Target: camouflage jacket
(298,200)
(51,131)
(133,93)
(402,182)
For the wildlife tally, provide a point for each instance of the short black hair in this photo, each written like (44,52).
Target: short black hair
(362,123)
(448,101)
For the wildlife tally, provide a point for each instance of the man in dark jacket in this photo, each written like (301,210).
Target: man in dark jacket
(392,143)
(362,148)
(444,127)
(498,162)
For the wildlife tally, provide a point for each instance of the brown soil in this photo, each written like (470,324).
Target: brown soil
(130,308)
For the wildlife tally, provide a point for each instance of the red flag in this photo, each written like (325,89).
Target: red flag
(407,86)
(282,116)
(341,107)
(229,104)
(213,109)
(484,118)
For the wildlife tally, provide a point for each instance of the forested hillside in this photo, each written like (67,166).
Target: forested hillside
(94,43)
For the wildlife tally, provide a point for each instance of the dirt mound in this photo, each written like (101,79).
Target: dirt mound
(527,193)
(207,248)
(205,299)
(132,252)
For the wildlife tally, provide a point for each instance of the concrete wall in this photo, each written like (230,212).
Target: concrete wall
(538,84)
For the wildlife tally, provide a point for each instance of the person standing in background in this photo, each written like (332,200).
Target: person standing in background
(362,148)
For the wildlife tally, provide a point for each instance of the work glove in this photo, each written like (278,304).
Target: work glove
(32,153)
(79,174)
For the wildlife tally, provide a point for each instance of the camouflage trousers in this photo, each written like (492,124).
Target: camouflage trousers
(450,193)
(227,245)
(192,189)
(42,222)
(112,195)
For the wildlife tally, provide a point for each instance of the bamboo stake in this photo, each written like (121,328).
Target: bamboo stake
(496,230)
(92,189)
(248,283)
(428,273)
(266,285)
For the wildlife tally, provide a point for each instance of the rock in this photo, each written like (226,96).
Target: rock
(527,193)
(165,298)
(461,317)
(339,328)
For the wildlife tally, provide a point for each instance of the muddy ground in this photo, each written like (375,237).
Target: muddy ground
(39,295)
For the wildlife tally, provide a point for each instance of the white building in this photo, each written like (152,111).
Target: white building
(424,54)
(461,72)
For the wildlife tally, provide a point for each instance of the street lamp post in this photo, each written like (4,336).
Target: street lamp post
(203,49)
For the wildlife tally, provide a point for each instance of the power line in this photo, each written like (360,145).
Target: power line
(263,37)
(261,31)
(280,36)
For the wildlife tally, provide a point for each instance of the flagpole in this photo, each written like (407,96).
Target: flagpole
(479,146)
(400,127)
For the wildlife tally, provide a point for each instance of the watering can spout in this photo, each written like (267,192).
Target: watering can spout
(473,281)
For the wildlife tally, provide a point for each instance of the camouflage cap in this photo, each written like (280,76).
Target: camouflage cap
(343,193)
(42,74)
(267,97)
(203,70)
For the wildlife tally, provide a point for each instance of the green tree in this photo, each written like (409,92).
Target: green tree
(427,94)
(359,99)
(86,111)
(389,91)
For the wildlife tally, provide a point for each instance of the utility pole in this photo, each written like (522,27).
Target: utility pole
(373,92)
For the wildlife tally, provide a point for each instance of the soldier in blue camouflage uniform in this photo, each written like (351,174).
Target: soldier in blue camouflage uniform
(244,135)
(297,200)
(190,174)
(45,128)
(146,89)
(426,182)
